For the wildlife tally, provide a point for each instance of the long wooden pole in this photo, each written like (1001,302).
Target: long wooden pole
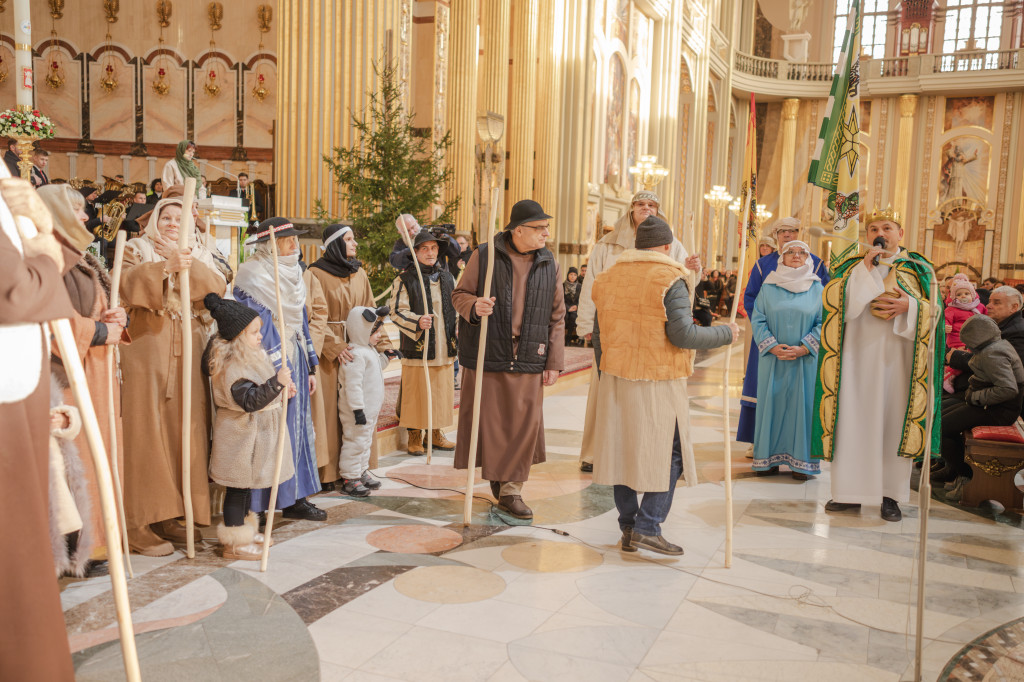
(185,230)
(282,430)
(478,375)
(65,338)
(426,342)
(115,299)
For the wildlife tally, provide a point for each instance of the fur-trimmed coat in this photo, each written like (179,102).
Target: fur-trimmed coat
(70,501)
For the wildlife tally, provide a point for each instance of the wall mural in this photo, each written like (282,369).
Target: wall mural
(634,123)
(613,121)
(969,111)
(964,169)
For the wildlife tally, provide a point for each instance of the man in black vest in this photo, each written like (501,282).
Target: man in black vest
(524,352)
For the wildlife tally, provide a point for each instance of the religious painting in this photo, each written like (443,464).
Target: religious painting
(969,111)
(963,169)
(620,21)
(959,226)
(640,41)
(613,122)
(634,124)
(864,116)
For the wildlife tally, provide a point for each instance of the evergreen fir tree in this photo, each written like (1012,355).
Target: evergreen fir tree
(390,169)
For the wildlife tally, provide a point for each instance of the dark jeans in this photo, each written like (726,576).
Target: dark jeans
(236,505)
(962,417)
(647,516)
(702,316)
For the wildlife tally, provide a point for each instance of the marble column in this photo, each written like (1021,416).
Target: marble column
(462,66)
(790,107)
(664,126)
(522,111)
(549,113)
(326,54)
(696,146)
(492,95)
(908,104)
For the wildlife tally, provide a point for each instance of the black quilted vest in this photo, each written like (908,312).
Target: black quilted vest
(531,357)
(414,349)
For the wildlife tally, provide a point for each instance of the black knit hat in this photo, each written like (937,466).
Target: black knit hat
(424,236)
(525,211)
(282,228)
(653,232)
(232,317)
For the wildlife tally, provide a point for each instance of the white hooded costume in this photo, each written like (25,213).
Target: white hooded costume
(360,387)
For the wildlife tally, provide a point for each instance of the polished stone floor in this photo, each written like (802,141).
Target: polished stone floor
(393,587)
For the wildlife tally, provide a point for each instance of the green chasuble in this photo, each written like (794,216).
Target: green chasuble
(915,280)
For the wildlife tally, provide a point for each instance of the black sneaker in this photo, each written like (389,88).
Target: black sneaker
(369,481)
(305,510)
(890,510)
(354,487)
(833,506)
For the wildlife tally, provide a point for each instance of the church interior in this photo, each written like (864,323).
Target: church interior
(575,104)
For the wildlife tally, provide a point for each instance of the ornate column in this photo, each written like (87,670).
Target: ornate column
(521,116)
(462,59)
(545,171)
(908,105)
(666,73)
(696,146)
(790,107)
(322,42)
(493,86)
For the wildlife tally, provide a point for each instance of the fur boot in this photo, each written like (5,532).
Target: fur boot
(253,519)
(237,542)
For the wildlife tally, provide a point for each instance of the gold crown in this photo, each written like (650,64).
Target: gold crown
(888,214)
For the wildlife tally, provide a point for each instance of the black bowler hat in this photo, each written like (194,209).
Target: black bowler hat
(424,236)
(525,211)
(282,228)
(232,317)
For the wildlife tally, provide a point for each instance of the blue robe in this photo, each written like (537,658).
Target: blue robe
(748,397)
(306,480)
(785,388)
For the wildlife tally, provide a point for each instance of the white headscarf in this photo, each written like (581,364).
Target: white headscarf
(143,245)
(256,278)
(798,280)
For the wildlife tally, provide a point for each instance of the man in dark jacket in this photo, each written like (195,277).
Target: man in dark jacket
(400,257)
(994,397)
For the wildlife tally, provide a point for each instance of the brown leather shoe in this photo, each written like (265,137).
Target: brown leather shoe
(173,530)
(514,505)
(440,442)
(415,443)
(147,543)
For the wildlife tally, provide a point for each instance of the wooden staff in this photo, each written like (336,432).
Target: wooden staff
(727,428)
(426,341)
(65,338)
(478,375)
(184,243)
(282,431)
(115,283)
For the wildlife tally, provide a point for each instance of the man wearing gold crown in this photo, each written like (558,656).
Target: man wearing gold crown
(871,400)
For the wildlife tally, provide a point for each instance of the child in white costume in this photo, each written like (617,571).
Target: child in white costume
(360,398)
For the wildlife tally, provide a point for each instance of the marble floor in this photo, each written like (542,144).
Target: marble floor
(394,587)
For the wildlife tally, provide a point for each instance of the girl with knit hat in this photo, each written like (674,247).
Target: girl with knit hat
(963,304)
(246,389)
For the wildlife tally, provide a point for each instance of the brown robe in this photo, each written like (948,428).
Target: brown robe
(316,311)
(152,371)
(33,641)
(342,294)
(511,437)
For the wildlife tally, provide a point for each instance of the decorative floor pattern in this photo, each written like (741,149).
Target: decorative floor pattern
(393,587)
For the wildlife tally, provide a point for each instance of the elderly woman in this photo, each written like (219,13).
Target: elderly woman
(254,287)
(431,331)
(786,326)
(181,166)
(152,370)
(766,246)
(345,286)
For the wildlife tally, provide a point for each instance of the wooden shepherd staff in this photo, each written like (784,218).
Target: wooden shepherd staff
(478,375)
(426,342)
(185,242)
(115,283)
(65,338)
(727,428)
(282,431)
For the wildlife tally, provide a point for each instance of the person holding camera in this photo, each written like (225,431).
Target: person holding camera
(401,258)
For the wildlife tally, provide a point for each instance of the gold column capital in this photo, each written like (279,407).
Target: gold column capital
(790,107)
(908,104)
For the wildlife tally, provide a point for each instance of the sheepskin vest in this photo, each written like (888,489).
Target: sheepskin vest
(630,301)
(414,348)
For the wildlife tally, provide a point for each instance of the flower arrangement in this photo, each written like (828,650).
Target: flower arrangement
(15,123)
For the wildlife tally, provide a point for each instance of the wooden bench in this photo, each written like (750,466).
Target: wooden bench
(995,465)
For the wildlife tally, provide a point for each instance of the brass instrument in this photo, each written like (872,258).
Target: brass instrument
(115,210)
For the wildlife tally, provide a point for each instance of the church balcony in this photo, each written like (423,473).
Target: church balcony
(961,73)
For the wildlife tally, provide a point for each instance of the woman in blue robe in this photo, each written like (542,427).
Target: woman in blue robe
(254,287)
(786,324)
(784,230)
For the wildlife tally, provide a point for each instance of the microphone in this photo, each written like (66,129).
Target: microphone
(819,232)
(880,243)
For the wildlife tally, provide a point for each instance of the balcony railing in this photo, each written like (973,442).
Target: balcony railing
(976,61)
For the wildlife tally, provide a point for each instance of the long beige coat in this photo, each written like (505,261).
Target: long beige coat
(316,312)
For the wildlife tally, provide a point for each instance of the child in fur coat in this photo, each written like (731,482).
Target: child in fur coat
(245,430)
(964,304)
(70,538)
(360,398)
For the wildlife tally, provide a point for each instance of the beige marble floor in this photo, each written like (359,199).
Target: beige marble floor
(808,596)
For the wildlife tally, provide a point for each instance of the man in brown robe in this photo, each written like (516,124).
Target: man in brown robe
(524,353)
(33,642)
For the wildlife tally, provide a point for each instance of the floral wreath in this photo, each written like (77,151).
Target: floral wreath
(15,123)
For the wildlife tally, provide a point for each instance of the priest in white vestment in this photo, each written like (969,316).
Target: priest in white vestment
(871,399)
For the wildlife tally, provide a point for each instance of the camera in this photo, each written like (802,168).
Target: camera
(441,230)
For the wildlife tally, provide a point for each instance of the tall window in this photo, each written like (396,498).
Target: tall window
(872,32)
(981,21)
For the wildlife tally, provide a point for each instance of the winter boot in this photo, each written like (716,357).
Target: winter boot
(237,542)
(369,481)
(252,519)
(354,487)
(415,443)
(440,442)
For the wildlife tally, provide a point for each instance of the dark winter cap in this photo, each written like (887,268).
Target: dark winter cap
(653,232)
(572,270)
(282,228)
(232,317)
(525,211)
(424,236)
